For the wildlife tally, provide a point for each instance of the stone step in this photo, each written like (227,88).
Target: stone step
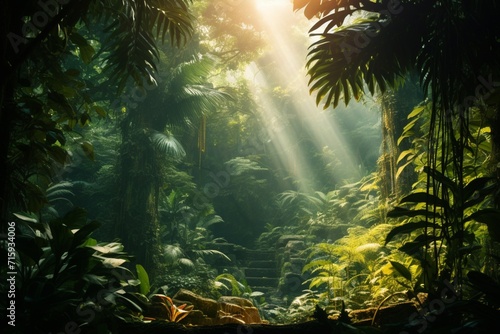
(261,272)
(262,281)
(264,289)
(253,255)
(263,264)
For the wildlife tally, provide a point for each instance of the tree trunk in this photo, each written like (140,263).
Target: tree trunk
(136,222)
(395,109)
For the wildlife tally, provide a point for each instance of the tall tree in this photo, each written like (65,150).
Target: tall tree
(183,98)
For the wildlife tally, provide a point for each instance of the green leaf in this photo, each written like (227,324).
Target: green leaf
(443,179)
(490,217)
(110,262)
(130,304)
(76,218)
(409,228)
(83,234)
(88,149)
(95,279)
(145,287)
(62,238)
(86,50)
(476,184)
(405,153)
(99,110)
(424,197)
(28,217)
(402,270)
(401,168)
(416,111)
(414,247)
(110,248)
(403,212)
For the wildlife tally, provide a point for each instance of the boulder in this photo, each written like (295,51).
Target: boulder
(235,300)
(248,314)
(226,310)
(199,318)
(208,306)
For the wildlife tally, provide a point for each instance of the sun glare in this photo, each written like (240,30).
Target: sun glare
(264,3)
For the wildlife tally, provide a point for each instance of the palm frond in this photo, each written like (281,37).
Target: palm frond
(132,26)
(368,53)
(172,253)
(194,71)
(209,252)
(190,94)
(167,143)
(172,18)
(388,40)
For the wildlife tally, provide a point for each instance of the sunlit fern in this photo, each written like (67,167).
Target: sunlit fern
(175,256)
(228,282)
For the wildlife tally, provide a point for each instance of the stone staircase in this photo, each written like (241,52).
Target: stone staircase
(261,270)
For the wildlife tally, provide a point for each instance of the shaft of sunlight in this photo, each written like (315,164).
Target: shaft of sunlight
(276,17)
(290,157)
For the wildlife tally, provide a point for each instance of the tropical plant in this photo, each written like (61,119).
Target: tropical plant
(356,268)
(443,221)
(226,282)
(163,308)
(296,207)
(66,277)
(302,307)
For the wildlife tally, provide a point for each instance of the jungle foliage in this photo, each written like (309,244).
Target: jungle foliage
(136,122)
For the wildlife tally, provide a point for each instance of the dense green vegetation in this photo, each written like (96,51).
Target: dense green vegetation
(151,146)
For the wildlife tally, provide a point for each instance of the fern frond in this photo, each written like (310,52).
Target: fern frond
(205,252)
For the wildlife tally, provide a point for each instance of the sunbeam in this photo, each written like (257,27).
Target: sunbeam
(286,62)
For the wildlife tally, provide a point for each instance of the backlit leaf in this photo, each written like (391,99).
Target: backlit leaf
(401,269)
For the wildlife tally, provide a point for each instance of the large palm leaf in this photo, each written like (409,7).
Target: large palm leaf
(133,25)
(189,94)
(450,43)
